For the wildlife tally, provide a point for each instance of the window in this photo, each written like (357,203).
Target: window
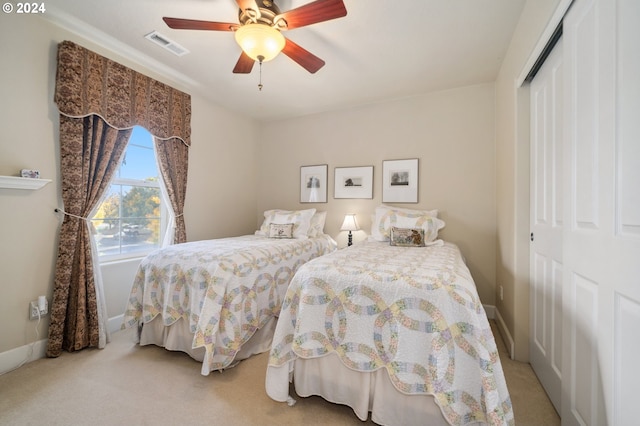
(131,218)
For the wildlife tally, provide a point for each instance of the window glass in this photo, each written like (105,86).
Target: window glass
(129,222)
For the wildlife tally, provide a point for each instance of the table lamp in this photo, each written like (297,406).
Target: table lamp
(349,224)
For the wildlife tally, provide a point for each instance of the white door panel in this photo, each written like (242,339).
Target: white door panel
(602,231)
(626,248)
(583,403)
(546,225)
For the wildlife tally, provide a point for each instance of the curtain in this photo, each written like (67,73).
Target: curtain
(76,322)
(99,101)
(172,153)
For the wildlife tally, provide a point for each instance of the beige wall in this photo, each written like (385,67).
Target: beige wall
(216,205)
(512,175)
(450,132)
(221,189)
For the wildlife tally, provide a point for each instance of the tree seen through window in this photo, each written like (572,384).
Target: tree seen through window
(130,219)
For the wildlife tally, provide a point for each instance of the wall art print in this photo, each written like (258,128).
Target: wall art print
(400,181)
(353,182)
(313,184)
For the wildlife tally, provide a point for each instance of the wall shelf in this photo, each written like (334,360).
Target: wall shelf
(13,182)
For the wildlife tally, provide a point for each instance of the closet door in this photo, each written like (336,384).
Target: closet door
(546,225)
(602,227)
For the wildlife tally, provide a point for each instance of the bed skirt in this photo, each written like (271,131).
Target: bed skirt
(178,337)
(364,392)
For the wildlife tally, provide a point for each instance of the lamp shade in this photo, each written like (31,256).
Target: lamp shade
(350,223)
(259,41)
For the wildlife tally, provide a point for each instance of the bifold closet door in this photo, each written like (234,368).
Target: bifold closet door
(601,244)
(546,215)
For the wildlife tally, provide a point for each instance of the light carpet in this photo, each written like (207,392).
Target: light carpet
(133,385)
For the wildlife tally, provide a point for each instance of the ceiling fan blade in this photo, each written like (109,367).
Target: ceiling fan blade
(303,57)
(314,12)
(244,64)
(192,24)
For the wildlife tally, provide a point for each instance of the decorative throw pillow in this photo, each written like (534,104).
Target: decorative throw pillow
(281,230)
(407,237)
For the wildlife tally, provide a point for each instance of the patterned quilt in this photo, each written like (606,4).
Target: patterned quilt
(225,288)
(413,311)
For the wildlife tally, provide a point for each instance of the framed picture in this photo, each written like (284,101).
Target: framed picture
(313,184)
(353,182)
(400,181)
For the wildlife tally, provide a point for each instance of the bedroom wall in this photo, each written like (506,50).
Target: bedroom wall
(450,132)
(28,225)
(512,178)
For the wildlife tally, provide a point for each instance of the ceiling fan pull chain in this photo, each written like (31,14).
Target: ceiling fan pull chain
(260,82)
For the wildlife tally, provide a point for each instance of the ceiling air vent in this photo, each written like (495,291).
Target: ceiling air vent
(166,43)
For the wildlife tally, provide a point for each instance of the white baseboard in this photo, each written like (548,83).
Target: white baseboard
(506,336)
(15,358)
(114,324)
(490,310)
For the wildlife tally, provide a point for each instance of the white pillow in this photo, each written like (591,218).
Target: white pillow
(301,220)
(317,224)
(433,213)
(268,218)
(385,217)
(431,225)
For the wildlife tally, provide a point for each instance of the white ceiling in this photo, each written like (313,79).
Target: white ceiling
(381,50)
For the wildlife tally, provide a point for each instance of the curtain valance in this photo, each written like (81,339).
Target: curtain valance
(88,83)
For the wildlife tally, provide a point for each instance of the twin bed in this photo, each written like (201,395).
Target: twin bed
(392,326)
(218,300)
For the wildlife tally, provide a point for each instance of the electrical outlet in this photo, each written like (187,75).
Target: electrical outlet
(33,310)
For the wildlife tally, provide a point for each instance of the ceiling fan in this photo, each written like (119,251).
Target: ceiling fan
(259,30)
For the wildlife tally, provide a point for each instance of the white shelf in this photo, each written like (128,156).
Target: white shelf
(13,182)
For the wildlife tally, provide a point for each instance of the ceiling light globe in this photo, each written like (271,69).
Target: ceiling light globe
(260,40)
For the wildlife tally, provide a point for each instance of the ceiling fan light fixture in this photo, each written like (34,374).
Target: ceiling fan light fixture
(259,41)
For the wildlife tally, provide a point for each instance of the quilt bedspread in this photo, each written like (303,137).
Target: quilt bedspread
(225,288)
(413,311)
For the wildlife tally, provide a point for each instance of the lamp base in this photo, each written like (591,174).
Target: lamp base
(350,241)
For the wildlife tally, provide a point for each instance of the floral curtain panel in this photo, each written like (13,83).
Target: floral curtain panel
(169,153)
(87,83)
(99,102)
(89,157)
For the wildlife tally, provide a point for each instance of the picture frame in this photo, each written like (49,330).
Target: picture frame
(400,181)
(313,184)
(353,182)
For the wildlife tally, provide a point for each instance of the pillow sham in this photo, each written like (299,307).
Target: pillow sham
(429,224)
(385,217)
(281,230)
(317,224)
(301,220)
(406,237)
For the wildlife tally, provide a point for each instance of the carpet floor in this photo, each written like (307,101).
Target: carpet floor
(129,384)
